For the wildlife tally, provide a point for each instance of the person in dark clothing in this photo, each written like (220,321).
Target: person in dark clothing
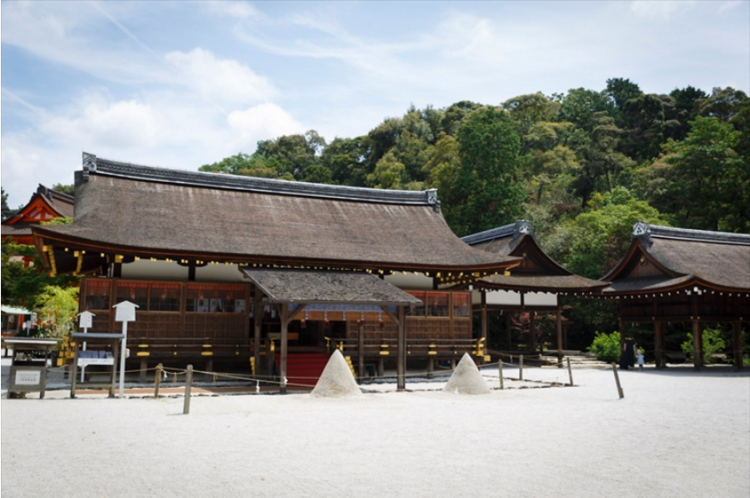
(627,358)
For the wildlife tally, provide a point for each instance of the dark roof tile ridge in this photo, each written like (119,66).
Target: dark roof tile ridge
(501,232)
(100,166)
(689,234)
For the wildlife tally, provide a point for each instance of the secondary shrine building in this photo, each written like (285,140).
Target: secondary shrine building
(242,271)
(675,275)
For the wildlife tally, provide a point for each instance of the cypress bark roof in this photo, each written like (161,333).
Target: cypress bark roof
(141,210)
(305,286)
(682,257)
(538,272)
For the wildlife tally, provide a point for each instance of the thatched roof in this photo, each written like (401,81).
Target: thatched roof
(680,257)
(139,210)
(538,272)
(304,286)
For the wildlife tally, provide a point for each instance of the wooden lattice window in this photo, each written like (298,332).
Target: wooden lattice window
(437,304)
(135,292)
(164,297)
(418,309)
(97,293)
(461,304)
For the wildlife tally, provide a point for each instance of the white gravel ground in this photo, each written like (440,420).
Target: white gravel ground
(676,433)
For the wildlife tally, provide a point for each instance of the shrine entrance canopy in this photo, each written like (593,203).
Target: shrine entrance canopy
(352,293)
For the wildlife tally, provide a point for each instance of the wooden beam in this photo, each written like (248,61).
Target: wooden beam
(393,317)
(296,312)
(697,335)
(401,365)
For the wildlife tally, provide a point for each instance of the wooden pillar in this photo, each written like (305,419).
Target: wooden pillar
(483,316)
(191,271)
(257,326)
(737,342)
(558,323)
(284,345)
(532,330)
(401,366)
(622,334)
(697,334)
(360,350)
(142,372)
(697,344)
(659,344)
(509,330)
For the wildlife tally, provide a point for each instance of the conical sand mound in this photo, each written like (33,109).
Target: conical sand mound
(466,379)
(337,380)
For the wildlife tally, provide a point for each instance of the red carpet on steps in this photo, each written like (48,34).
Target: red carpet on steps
(303,368)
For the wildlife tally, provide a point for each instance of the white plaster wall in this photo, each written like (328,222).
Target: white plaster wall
(497,297)
(145,269)
(410,281)
(161,270)
(220,273)
(540,299)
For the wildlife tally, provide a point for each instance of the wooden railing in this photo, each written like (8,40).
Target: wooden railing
(438,348)
(184,347)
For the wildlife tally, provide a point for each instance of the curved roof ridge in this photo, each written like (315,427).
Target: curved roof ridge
(107,167)
(517,227)
(689,234)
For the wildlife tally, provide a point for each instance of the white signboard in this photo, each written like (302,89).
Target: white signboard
(28,377)
(84,320)
(125,311)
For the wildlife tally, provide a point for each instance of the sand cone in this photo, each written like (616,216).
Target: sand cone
(337,380)
(466,379)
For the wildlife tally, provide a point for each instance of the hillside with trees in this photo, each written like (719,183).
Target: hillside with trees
(583,166)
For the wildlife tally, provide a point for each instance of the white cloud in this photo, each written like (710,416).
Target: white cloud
(262,121)
(123,124)
(661,10)
(234,9)
(220,80)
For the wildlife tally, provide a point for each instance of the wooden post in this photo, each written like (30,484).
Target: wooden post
(659,344)
(430,367)
(360,350)
(188,388)
(737,345)
(142,372)
(401,365)
(257,325)
(697,335)
(483,316)
(509,330)
(532,330)
(570,372)
(617,380)
(520,367)
(284,346)
(558,323)
(157,379)
(697,344)
(500,372)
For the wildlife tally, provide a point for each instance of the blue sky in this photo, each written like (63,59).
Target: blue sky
(181,84)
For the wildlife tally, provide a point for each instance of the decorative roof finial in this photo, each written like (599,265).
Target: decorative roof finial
(642,230)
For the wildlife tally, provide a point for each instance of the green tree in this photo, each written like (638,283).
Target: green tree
(346,158)
(593,242)
(621,90)
(486,189)
(580,105)
(65,189)
(6,212)
(712,343)
(702,180)
(57,308)
(606,347)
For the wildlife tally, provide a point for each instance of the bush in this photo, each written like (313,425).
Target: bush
(606,347)
(713,344)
